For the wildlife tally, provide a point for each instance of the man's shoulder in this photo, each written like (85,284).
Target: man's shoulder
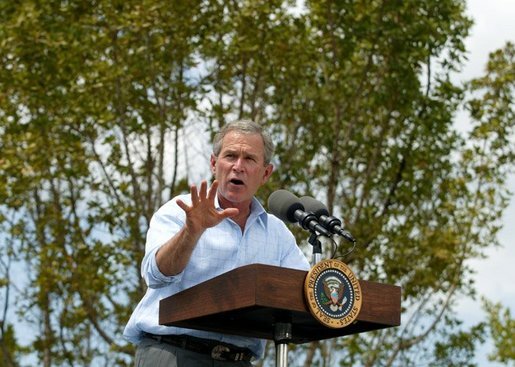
(275,223)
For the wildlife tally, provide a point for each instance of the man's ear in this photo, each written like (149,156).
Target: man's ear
(268,172)
(212,163)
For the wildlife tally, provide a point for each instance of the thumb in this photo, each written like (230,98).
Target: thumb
(230,212)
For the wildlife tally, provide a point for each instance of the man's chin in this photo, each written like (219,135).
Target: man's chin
(235,196)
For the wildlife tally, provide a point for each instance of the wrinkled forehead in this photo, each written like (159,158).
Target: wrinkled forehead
(248,142)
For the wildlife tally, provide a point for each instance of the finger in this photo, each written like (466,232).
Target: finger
(182,205)
(203,189)
(212,190)
(194,194)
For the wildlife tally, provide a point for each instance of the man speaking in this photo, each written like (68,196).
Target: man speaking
(208,232)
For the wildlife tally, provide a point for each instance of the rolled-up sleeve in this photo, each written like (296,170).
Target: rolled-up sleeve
(165,223)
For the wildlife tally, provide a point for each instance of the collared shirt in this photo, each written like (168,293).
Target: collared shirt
(265,240)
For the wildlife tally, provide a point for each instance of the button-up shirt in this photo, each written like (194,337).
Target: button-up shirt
(265,240)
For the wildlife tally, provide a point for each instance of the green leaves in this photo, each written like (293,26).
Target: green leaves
(104,113)
(501,326)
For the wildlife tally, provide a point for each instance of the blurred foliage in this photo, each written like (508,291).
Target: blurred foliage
(105,110)
(502,328)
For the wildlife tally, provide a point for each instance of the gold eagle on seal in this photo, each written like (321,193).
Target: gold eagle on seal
(334,290)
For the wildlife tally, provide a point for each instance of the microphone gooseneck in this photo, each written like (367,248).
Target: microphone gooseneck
(329,222)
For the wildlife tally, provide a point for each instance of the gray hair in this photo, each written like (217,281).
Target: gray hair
(244,127)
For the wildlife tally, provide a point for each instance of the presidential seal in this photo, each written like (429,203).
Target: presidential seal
(333,293)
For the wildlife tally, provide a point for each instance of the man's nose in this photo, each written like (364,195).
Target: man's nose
(238,164)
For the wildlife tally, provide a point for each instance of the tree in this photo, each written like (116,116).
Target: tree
(97,106)
(93,96)
(377,123)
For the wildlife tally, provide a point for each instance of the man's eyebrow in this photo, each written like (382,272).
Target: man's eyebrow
(228,150)
(237,151)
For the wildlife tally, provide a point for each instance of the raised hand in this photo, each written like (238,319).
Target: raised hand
(202,213)
(175,254)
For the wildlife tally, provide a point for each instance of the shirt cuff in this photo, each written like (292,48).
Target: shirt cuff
(154,277)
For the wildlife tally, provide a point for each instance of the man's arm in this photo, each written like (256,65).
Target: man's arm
(175,254)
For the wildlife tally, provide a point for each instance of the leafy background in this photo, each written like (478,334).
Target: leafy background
(97,98)
(492,27)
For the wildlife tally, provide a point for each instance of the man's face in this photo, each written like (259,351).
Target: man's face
(240,168)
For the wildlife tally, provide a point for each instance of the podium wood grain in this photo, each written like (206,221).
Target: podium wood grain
(250,300)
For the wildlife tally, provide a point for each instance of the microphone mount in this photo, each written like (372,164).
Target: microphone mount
(329,222)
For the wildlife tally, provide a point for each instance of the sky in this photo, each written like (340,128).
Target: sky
(494,25)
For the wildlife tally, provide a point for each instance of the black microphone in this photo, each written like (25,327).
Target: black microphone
(287,207)
(331,223)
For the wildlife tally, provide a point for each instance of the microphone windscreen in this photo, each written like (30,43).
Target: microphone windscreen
(314,206)
(283,205)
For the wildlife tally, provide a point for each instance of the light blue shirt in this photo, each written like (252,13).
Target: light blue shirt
(265,240)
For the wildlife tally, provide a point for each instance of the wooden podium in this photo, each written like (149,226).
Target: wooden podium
(255,299)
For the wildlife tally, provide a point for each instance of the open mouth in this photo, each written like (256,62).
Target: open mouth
(235,181)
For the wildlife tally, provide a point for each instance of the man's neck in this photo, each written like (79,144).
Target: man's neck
(243,207)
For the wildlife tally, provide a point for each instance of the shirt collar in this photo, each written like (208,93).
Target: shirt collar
(257,212)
